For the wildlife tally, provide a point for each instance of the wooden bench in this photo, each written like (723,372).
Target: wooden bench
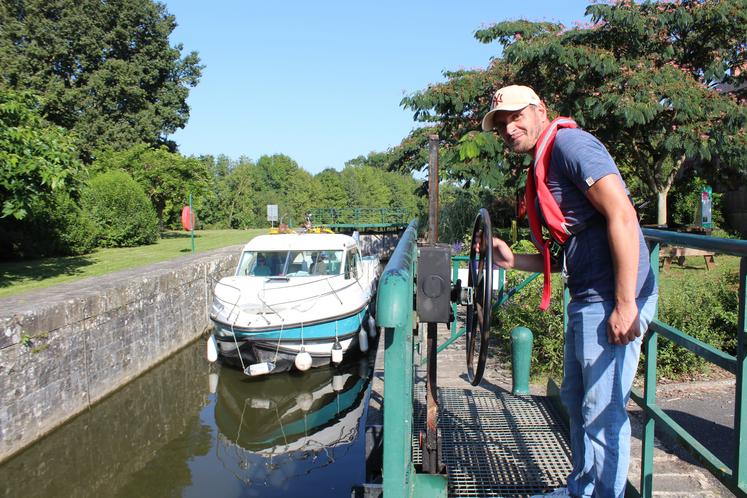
(669,253)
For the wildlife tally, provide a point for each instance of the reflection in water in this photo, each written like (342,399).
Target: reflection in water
(288,425)
(189,429)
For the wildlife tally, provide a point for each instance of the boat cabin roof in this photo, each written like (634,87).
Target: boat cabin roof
(300,242)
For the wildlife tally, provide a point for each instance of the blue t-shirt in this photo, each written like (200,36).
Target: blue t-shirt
(578,161)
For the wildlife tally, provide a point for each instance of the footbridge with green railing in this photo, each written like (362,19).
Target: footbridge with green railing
(516,451)
(370,220)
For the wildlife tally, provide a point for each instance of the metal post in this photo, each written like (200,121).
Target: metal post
(740,413)
(431,460)
(650,346)
(433,189)
(430,452)
(192,219)
(521,359)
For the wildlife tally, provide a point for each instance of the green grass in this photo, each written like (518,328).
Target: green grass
(695,268)
(23,276)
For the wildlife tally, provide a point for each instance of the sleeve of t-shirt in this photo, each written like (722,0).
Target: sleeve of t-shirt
(582,157)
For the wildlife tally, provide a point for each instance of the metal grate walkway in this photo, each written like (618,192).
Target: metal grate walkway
(497,444)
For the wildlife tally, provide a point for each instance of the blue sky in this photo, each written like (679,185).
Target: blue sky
(322,81)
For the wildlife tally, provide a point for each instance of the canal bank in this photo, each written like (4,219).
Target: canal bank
(191,428)
(65,347)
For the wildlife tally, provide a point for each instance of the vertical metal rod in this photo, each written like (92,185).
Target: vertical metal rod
(454,277)
(740,413)
(433,189)
(192,219)
(430,453)
(650,345)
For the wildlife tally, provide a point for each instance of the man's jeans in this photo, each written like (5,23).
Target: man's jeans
(596,387)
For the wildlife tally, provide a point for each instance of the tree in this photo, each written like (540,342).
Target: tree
(106,69)
(37,159)
(168,178)
(366,187)
(332,191)
(240,197)
(642,77)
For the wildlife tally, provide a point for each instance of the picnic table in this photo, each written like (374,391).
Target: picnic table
(669,253)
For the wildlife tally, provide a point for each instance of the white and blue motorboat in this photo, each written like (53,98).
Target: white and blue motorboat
(297,300)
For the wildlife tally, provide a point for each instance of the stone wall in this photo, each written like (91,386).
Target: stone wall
(66,347)
(381,245)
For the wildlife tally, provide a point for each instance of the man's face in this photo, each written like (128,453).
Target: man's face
(521,129)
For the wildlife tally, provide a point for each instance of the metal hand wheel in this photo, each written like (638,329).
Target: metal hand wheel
(480,280)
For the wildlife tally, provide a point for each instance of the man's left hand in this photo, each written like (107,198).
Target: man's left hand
(622,326)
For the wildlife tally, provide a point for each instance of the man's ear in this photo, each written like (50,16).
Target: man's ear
(542,109)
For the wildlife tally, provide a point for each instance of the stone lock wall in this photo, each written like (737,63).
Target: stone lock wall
(66,347)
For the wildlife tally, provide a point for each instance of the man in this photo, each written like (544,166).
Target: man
(320,268)
(576,193)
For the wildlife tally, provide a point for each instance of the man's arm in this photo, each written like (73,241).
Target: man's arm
(504,257)
(608,196)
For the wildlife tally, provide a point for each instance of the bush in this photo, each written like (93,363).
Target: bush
(703,310)
(121,211)
(684,203)
(523,310)
(55,226)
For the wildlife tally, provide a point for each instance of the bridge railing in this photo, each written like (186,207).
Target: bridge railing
(357,216)
(394,312)
(734,477)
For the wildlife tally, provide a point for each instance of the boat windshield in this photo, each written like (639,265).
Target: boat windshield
(290,263)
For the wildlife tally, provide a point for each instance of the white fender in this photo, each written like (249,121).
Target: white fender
(363,340)
(336,352)
(212,349)
(303,360)
(371,326)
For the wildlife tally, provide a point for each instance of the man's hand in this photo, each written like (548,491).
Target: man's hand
(622,326)
(503,256)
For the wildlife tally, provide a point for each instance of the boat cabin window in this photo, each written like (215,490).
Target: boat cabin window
(352,264)
(289,263)
(326,262)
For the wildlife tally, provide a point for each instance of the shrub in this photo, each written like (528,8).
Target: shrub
(120,209)
(704,310)
(523,310)
(54,226)
(684,200)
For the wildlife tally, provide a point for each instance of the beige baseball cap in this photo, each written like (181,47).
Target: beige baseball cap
(509,98)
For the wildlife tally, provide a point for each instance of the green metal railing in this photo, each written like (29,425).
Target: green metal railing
(357,217)
(394,312)
(733,478)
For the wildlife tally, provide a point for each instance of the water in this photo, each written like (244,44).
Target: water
(191,429)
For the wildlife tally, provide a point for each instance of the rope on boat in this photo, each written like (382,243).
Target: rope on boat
(238,351)
(277,346)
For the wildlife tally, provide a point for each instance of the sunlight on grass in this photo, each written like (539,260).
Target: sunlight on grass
(24,276)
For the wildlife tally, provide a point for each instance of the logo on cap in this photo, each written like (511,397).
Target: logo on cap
(497,99)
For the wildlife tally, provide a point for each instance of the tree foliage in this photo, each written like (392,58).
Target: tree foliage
(166,177)
(36,158)
(644,77)
(106,69)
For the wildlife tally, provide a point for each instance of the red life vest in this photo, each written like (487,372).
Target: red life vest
(538,195)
